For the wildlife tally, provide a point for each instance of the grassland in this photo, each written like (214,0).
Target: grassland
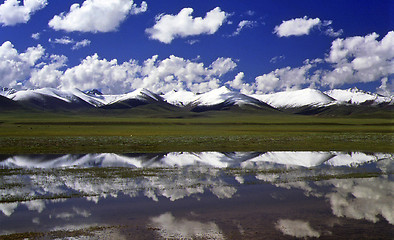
(33,133)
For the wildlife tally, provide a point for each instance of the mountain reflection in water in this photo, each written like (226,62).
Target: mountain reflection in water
(182,159)
(206,195)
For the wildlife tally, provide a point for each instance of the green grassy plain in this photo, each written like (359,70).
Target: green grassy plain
(39,132)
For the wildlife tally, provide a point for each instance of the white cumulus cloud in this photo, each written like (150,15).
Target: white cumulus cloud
(12,13)
(303,26)
(16,67)
(284,79)
(168,27)
(34,69)
(96,15)
(296,27)
(48,75)
(239,84)
(172,73)
(28,68)
(360,59)
(93,72)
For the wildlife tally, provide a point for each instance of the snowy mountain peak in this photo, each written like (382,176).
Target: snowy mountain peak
(6,91)
(141,94)
(223,94)
(296,98)
(93,92)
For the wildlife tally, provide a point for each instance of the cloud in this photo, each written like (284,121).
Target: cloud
(96,16)
(16,67)
(11,13)
(169,27)
(250,12)
(35,36)
(48,75)
(303,26)
(221,66)
(93,72)
(81,44)
(277,59)
(192,42)
(135,10)
(386,88)
(239,84)
(172,73)
(283,79)
(330,32)
(111,77)
(68,40)
(244,24)
(178,73)
(64,40)
(350,60)
(296,27)
(360,59)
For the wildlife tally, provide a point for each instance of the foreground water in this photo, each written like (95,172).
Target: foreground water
(208,195)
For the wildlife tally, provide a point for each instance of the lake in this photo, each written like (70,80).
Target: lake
(204,195)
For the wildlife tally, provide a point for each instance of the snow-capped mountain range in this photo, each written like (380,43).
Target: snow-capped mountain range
(213,100)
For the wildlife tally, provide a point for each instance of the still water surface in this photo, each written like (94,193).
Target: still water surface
(208,195)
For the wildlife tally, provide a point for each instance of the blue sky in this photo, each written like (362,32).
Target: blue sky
(252,46)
